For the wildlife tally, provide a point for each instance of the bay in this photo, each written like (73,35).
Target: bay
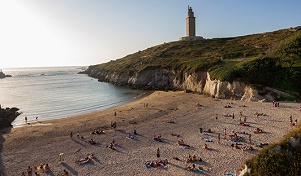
(59,92)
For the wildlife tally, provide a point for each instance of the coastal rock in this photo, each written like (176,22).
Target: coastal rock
(198,82)
(2,75)
(7,116)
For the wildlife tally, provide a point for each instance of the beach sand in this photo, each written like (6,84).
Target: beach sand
(42,142)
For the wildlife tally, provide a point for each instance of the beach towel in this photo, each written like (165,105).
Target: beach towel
(236,140)
(195,170)
(112,148)
(84,162)
(230,174)
(208,139)
(147,165)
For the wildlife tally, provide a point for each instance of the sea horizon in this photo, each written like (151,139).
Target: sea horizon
(58,92)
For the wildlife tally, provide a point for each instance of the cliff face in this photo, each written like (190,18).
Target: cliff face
(7,116)
(2,75)
(198,82)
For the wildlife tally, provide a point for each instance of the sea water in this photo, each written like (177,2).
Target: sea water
(58,92)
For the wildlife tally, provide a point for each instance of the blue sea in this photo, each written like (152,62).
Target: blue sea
(59,92)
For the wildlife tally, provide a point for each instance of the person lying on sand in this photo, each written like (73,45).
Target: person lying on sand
(43,167)
(262,145)
(182,143)
(175,135)
(191,168)
(169,121)
(156,163)
(158,138)
(227,115)
(46,168)
(244,124)
(85,160)
(208,131)
(65,173)
(257,130)
(227,106)
(233,136)
(248,147)
(112,146)
(98,132)
(176,158)
(130,136)
(198,105)
(192,159)
(206,147)
(92,141)
(259,114)
(235,146)
(242,132)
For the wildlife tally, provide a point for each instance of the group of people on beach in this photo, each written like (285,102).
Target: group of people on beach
(291,121)
(190,159)
(44,167)
(193,159)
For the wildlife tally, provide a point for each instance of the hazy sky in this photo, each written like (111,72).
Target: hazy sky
(87,32)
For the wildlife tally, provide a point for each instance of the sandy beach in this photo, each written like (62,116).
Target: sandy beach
(166,113)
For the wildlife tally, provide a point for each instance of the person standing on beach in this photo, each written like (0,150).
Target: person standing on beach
(158,153)
(115,114)
(219,138)
(29,171)
(71,135)
(250,140)
(225,133)
(25,119)
(113,125)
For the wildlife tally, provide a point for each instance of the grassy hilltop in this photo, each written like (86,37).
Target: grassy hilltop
(272,59)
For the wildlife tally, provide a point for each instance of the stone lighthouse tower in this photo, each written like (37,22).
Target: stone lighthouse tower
(190,23)
(190,27)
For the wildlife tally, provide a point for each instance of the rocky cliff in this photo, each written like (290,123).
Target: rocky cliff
(197,82)
(7,116)
(2,75)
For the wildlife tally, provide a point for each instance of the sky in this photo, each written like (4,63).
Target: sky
(39,33)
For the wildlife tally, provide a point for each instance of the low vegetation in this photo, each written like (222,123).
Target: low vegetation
(282,158)
(272,59)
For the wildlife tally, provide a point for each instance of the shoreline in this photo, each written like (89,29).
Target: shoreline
(32,145)
(32,120)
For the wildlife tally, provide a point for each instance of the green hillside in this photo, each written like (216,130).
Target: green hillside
(272,58)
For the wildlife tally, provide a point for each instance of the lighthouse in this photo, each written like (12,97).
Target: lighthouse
(190,23)
(190,27)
